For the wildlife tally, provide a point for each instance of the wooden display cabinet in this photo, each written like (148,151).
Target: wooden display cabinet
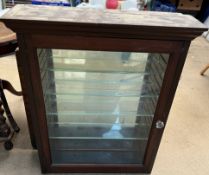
(98,85)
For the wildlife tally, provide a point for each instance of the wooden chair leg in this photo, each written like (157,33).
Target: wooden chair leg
(7,85)
(204,70)
(7,110)
(4,128)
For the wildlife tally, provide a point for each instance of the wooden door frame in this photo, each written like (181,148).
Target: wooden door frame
(28,44)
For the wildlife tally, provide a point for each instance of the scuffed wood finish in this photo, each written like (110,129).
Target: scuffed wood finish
(98,16)
(109,22)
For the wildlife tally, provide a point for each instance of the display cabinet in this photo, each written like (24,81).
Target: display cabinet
(98,85)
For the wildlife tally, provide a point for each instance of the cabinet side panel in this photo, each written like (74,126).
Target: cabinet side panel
(26,100)
(28,64)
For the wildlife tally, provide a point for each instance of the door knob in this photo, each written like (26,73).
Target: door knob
(159,124)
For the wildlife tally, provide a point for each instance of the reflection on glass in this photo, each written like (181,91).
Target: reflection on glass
(99,104)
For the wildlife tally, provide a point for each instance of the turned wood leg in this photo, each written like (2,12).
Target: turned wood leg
(204,70)
(7,85)
(4,128)
(7,110)
(1,108)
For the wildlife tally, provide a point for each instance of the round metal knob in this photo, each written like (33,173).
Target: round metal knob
(159,124)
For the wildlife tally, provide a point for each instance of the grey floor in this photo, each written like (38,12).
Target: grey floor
(185,145)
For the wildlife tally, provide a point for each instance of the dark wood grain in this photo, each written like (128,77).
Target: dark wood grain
(168,89)
(107,44)
(25,90)
(28,59)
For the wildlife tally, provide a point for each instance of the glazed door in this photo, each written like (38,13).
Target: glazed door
(101,107)
(100,104)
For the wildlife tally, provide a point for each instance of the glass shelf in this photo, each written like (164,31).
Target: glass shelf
(90,61)
(105,94)
(85,107)
(116,131)
(119,108)
(97,157)
(89,144)
(100,105)
(125,120)
(100,89)
(92,77)
(97,144)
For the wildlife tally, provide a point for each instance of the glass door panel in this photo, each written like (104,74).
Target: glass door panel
(100,104)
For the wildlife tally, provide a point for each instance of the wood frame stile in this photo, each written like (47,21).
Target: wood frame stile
(38,34)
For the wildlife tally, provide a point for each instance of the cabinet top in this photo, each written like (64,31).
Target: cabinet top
(114,19)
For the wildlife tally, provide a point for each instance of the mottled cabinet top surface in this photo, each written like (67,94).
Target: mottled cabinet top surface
(103,20)
(84,15)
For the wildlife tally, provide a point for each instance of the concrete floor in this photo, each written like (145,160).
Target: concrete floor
(184,149)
